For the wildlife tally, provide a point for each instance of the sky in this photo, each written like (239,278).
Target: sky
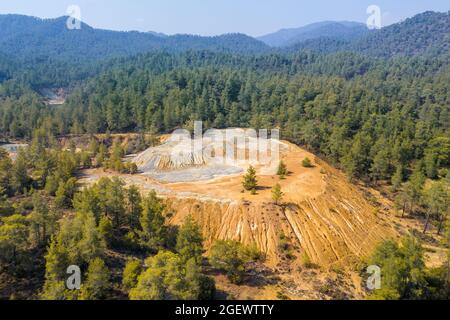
(214,17)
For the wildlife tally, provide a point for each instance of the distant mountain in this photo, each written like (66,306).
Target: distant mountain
(343,30)
(427,33)
(29,37)
(45,53)
(36,40)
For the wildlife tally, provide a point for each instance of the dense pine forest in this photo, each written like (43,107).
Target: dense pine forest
(375,106)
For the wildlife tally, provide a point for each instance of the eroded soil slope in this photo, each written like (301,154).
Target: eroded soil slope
(323,216)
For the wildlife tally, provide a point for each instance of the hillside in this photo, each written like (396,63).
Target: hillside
(38,40)
(29,37)
(321,233)
(325,217)
(424,34)
(427,33)
(45,54)
(343,30)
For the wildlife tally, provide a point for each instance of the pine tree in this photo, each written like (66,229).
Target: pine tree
(20,180)
(164,279)
(437,201)
(96,285)
(14,234)
(397,178)
(153,229)
(131,272)
(381,165)
(56,263)
(401,202)
(133,206)
(54,290)
(91,244)
(43,223)
(106,229)
(101,156)
(51,185)
(414,187)
(277,194)
(5,173)
(403,276)
(356,161)
(190,241)
(431,163)
(231,257)
(114,200)
(250,182)
(65,193)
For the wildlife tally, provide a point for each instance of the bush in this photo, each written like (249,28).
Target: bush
(307,263)
(207,288)
(306,163)
(282,296)
(282,171)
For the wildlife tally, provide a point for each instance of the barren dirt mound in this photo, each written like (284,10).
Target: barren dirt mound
(324,218)
(219,153)
(337,226)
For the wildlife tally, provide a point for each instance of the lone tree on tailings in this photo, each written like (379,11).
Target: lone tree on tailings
(250,182)
(282,171)
(277,194)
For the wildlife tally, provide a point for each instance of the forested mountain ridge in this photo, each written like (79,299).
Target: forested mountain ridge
(44,53)
(33,38)
(427,33)
(344,30)
(47,54)
(29,37)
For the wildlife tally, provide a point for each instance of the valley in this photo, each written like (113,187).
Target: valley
(131,167)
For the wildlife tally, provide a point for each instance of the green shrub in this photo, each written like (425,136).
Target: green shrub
(306,163)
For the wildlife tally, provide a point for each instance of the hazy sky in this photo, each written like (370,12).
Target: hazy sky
(212,17)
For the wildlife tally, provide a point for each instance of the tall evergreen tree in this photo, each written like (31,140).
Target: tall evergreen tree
(190,241)
(250,182)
